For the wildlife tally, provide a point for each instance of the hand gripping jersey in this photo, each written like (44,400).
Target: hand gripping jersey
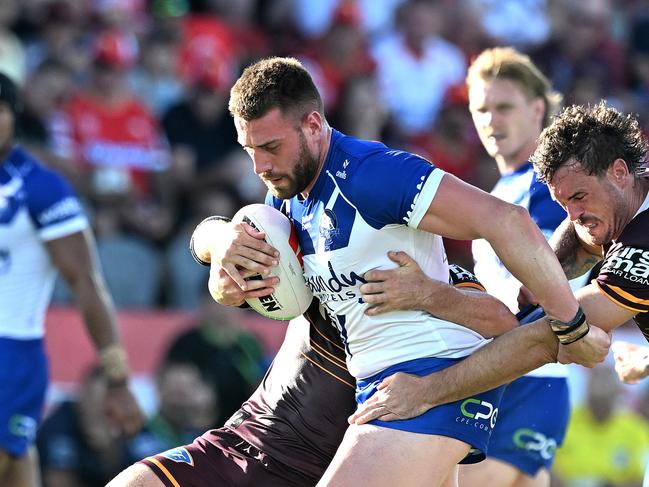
(624,276)
(368,200)
(36,205)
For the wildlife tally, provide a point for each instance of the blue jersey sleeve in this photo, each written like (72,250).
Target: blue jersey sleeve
(387,184)
(546,213)
(53,205)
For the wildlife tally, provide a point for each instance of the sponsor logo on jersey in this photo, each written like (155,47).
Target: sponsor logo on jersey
(335,286)
(61,210)
(630,263)
(533,441)
(477,413)
(179,455)
(23,426)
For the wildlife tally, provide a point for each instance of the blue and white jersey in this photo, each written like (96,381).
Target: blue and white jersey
(520,187)
(368,200)
(36,205)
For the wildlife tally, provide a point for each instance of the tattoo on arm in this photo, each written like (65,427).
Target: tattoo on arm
(572,255)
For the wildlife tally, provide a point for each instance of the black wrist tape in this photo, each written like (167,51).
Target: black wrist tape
(571,331)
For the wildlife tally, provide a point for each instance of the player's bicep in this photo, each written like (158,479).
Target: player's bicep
(73,256)
(601,310)
(463,212)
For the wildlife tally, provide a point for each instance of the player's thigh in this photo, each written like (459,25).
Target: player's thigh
(496,472)
(25,471)
(20,472)
(137,475)
(488,472)
(541,479)
(378,456)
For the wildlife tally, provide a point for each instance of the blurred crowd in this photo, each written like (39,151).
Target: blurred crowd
(128,99)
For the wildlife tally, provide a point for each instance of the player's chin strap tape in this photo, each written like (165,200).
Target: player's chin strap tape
(571,331)
(191,241)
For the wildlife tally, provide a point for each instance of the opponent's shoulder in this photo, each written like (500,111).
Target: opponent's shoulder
(635,233)
(624,275)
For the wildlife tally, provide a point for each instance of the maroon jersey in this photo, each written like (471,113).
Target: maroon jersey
(624,276)
(298,415)
(288,431)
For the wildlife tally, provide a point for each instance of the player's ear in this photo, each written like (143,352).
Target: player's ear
(312,123)
(538,105)
(619,171)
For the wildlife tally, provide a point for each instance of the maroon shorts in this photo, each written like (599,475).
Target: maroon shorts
(221,458)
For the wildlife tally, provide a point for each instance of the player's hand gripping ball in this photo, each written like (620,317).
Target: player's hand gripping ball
(291,297)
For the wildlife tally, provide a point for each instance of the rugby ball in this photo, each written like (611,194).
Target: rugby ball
(291,297)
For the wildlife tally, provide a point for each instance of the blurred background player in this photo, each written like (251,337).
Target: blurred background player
(511,102)
(42,230)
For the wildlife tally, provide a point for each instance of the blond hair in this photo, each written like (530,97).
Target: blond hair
(508,63)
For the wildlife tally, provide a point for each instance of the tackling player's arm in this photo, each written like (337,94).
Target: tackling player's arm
(407,288)
(575,256)
(75,258)
(403,396)
(461,211)
(233,252)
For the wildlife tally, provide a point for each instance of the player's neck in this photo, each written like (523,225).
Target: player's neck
(640,190)
(325,143)
(510,164)
(5,150)
(507,166)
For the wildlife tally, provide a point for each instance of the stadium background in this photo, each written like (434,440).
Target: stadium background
(146,188)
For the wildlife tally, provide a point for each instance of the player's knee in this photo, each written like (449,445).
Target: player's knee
(136,475)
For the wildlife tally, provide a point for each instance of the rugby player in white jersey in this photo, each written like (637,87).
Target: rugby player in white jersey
(43,230)
(594,162)
(351,201)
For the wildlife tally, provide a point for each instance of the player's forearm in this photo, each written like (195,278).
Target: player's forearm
(506,358)
(574,256)
(527,255)
(476,310)
(100,319)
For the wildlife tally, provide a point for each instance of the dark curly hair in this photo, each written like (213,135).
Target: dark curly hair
(278,82)
(593,136)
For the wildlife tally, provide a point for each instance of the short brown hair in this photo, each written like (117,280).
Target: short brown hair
(278,82)
(593,136)
(508,63)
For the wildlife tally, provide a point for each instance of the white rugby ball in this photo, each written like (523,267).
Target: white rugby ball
(291,297)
